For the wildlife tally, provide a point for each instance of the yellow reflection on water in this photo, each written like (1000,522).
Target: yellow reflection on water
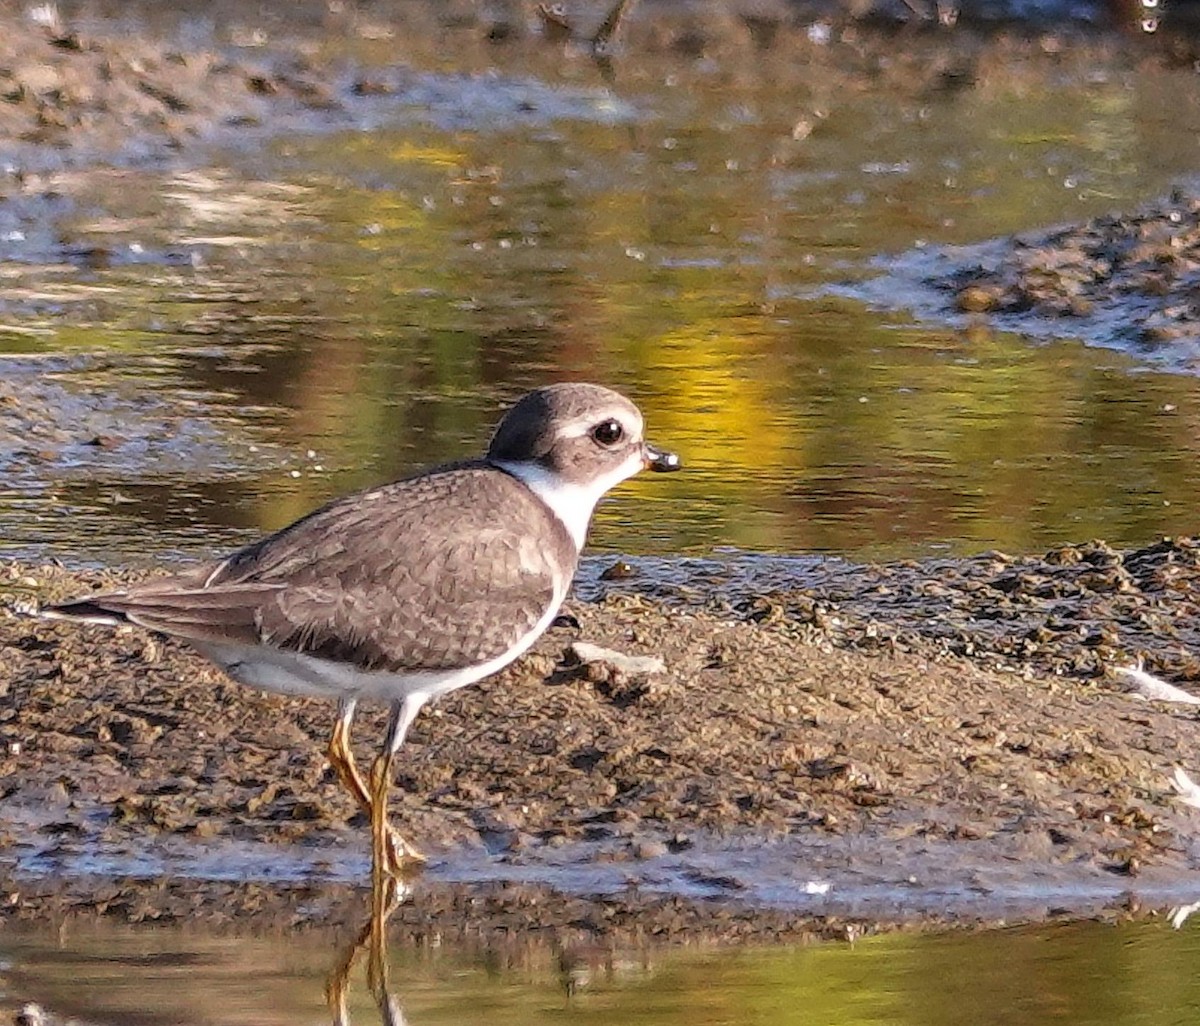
(378,296)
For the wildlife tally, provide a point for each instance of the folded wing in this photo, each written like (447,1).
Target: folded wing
(397,579)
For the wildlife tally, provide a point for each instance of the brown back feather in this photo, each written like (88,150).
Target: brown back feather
(397,578)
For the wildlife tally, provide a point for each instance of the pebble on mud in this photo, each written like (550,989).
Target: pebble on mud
(585,653)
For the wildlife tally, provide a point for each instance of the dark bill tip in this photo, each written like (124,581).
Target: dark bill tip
(659,459)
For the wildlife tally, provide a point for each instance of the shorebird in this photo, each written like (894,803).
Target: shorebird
(404,592)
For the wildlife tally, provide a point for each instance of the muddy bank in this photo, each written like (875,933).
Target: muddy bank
(916,742)
(1124,281)
(106,94)
(82,84)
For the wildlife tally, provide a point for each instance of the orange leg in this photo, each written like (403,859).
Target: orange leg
(393,853)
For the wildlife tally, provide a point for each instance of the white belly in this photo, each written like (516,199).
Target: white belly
(294,673)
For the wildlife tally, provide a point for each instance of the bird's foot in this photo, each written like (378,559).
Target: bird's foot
(401,859)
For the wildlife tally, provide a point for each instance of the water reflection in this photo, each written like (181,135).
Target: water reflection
(1113,973)
(370,943)
(376,295)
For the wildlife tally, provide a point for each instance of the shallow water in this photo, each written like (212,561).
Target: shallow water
(867,877)
(285,319)
(1119,975)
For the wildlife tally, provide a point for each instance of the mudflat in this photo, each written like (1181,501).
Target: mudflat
(912,743)
(906,743)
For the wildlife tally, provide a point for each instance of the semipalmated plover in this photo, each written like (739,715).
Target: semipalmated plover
(404,592)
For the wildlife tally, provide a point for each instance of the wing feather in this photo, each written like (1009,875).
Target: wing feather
(397,578)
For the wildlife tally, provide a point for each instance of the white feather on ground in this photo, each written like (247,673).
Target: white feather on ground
(1187,789)
(1154,689)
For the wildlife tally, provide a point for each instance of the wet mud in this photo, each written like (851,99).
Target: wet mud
(1124,280)
(77,89)
(907,743)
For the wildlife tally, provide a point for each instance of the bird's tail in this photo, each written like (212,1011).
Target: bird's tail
(224,613)
(82,611)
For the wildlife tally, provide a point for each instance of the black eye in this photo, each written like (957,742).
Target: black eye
(608,432)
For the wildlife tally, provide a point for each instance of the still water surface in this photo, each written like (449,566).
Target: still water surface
(309,314)
(1133,974)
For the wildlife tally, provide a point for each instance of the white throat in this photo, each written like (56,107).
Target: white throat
(571,502)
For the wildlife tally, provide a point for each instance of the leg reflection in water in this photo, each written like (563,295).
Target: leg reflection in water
(386,896)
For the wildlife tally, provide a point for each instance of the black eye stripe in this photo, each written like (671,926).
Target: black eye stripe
(608,432)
